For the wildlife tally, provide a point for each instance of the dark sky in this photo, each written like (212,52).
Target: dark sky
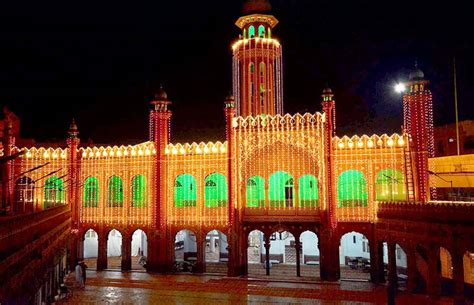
(100,62)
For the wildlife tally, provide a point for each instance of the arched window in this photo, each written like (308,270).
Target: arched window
(261,31)
(53,192)
(185,191)
(308,191)
(24,192)
(91,193)
(281,190)
(215,191)
(390,185)
(255,193)
(138,191)
(251,31)
(351,189)
(115,192)
(261,69)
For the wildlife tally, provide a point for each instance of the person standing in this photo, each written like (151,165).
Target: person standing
(78,276)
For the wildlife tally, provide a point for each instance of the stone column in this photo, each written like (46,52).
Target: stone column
(458,278)
(267,254)
(126,252)
(199,267)
(102,251)
(376,262)
(392,274)
(329,256)
(433,285)
(298,252)
(411,269)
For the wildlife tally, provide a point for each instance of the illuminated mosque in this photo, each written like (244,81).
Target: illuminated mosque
(280,188)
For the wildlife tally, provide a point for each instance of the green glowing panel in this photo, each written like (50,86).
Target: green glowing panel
(185,191)
(390,186)
(351,189)
(308,191)
(138,191)
(251,31)
(91,192)
(269,33)
(261,31)
(215,191)
(53,192)
(281,190)
(115,192)
(245,33)
(255,193)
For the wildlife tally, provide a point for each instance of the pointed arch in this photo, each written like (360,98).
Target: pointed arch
(351,189)
(251,31)
(390,185)
(24,190)
(255,193)
(215,191)
(261,31)
(281,190)
(308,191)
(115,192)
(185,191)
(90,198)
(139,191)
(53,192)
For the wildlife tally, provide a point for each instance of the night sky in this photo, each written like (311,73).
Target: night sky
(101,62)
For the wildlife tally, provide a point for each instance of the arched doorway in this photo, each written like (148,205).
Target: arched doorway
(139,250)
(215,252)
(309,254)
(354,256)
(185,250)
(91,248)
(468,262)
(282,255)
(255,253)
(114,249)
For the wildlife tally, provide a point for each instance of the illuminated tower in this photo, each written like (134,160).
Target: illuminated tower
(257,62)
(73,142)
(418,123)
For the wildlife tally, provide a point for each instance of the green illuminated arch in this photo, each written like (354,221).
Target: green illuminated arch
(245,33)
(215,191)
(115,192)
(281,190)
(390,185)
(351,189)
(308,191)
(53,192)
(269,32)
(255,193)
(138,191)
(90,198)
(185,191)
(261,31)
(251,31)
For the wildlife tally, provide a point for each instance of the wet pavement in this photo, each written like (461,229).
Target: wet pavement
(113,287)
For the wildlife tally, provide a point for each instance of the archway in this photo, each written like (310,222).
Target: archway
(24,194)
(401,262)
(114,249)
(468,262)
(139,250)
(215,252)
(282,254)
(185,248)
(91,248)
(309,254)
(354,256)
(256,253)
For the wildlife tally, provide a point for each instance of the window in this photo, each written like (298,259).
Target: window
(138,191)
(308,191)
(255,193)
(115,192)
(390,185)
(469,143)
(24,191)
(53,192)
(215,191)
(251,31)
(354,239)
(351,189)
(281,190)
(185,191)
(90,197)
(261,31)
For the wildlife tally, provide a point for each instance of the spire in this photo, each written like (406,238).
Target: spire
(416,74)
(73,131)
(256,7)
(160,101)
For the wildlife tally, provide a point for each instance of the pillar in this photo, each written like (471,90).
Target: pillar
(7,167)
(298,255)
(200,248)
(377,274)
(458,278)
(102,251)
(126,252)
(433,285)
(411,269)
(267,254)
(392,274)
(159,124)
(329,256)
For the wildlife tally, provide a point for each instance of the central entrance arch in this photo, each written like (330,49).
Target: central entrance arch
(354,256)
(215,252)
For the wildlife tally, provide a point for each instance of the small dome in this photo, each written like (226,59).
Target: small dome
(73,126)
(327,90)
(161,94)
(417,74)
(257,6)
(229,97)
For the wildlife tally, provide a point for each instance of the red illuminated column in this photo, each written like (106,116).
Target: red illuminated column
(160,117)
(7,168)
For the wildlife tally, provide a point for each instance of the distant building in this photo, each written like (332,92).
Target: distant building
(445,139)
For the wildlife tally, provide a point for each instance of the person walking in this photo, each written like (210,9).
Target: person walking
(78,276)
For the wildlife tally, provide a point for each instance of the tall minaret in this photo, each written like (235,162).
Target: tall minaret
(257,62)
(418,123)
